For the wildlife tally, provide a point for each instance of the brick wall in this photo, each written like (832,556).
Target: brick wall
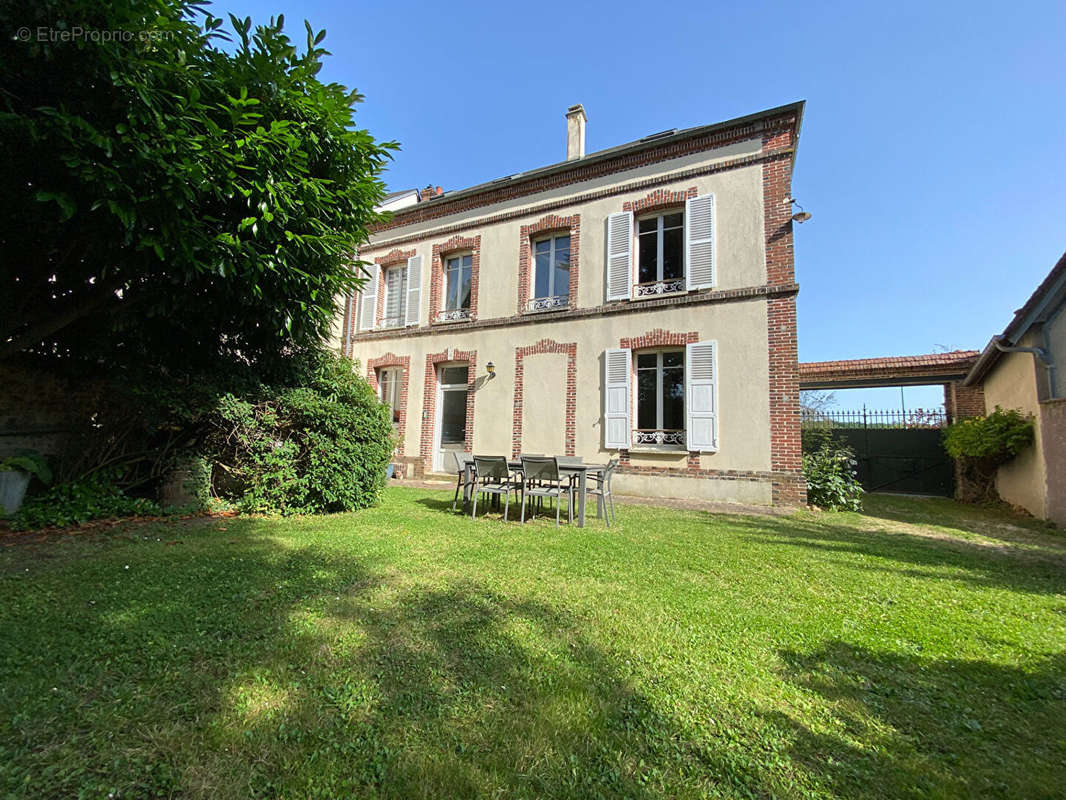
(963,401)
(789,487)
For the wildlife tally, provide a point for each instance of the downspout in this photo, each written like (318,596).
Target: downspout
(1039,352)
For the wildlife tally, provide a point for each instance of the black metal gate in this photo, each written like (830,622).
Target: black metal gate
(897,451)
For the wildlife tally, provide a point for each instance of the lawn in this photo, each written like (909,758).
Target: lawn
(918,650)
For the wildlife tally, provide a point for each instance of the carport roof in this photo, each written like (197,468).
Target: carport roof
(928,368)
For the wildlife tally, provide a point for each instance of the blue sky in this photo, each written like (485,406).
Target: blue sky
(932,155)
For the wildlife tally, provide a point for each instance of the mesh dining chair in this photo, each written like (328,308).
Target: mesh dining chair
(493,477)
(563,460)
(541,479)
(464,476)
(602,490)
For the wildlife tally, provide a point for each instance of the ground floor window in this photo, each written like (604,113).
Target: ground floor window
(660,412)
(389,390)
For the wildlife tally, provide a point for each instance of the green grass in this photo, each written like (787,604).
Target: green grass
(918,650)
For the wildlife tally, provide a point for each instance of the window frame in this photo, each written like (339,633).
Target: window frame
(659,428)
(660,229)
(389,380)
(448,259)
(399,320)
(551,236)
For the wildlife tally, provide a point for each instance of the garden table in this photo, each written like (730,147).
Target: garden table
(581,470)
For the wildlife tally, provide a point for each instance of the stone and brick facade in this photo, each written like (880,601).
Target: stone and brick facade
(548,388)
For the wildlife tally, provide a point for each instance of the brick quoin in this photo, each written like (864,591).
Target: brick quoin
(441,252)
(961,401)
(545,346)
(660,200)
(547,224)
(429,401)
(404,362)
(786,462)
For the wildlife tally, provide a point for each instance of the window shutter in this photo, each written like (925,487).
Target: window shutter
(701,396)
(699,242)
(620,256)
(368,303)
(414,289)
(616,396)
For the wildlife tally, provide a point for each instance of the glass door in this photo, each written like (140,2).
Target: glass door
(451,416)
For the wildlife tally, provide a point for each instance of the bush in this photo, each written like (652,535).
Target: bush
(318,448)
(829,468)
(981,444)
(995,438)
(96,496)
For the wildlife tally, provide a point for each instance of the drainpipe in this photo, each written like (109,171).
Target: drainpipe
(1039,352)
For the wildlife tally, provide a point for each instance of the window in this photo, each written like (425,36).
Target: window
(453,405)
(389,390)
(551,273)
(660,253)
(395,297)
(458,272)
(660,398)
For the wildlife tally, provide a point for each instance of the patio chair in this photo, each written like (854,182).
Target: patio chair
(602,490)
(494,478)
(464,478)
(541,479)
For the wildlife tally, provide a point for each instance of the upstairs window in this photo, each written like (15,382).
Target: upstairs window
(395,297)
(661,254)
(551,273)
(458,274)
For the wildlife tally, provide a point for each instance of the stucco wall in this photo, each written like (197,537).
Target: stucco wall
(739,328)
(1053,442)
(1012,383)
(1055,342)
(740,249)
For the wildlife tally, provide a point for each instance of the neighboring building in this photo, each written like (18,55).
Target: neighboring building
(637,302)
(1025,368)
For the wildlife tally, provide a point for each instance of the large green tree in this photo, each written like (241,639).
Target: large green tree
(174,191)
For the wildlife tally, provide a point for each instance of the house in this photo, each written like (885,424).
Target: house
(636,303)
(1025,368)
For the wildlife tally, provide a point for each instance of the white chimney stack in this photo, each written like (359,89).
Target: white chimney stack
(575,132)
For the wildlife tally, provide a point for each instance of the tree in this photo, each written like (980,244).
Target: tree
(170,195)
(817,403)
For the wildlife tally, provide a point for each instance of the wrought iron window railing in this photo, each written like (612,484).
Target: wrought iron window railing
(392,322)
(454,315)
(653,288)
(549,303)
(659,438)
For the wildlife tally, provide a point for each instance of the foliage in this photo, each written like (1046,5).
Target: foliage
(31,462)
(405,651)
(829,467)
(817,402)
(96,496)
(178,198)
(320,447)
(994,439)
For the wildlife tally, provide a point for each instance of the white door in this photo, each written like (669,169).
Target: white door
(451,433)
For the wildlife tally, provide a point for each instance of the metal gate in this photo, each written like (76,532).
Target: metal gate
(896,451)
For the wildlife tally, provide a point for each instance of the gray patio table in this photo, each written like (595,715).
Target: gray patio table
(581,470)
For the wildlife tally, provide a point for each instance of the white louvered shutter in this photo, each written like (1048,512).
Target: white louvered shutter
(616,396)
(368,302)
(620,256)
(700,271)
(414,289)
(701,396)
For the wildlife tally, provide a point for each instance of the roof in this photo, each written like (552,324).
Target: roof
(890,371)
(1042,303)
(653,141)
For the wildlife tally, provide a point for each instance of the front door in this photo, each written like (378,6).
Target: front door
(451,416)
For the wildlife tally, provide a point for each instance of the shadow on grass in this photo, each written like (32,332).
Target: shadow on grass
(238,665)
(916,555)
(910,727)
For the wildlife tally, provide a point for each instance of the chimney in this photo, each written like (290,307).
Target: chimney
(575,132)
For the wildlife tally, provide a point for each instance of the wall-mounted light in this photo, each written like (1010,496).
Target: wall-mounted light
(800,216)
(491,369)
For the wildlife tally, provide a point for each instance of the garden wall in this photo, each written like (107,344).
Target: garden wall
(40,411)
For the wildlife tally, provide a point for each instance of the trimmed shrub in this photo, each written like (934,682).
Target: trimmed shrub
(829,467)
(318,448)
